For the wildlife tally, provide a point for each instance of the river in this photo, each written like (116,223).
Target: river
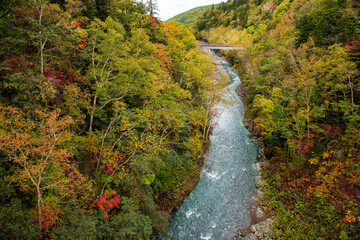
(220,204)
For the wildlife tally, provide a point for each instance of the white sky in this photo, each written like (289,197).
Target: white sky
(170,8)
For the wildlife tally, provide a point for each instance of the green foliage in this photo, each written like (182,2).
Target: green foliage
(149,178)
(300,66)
(280,10)
(15,223)
(191,16)
(97,98)
(327,24)
(97,9)
(231,14)
(76,224)
(132,224)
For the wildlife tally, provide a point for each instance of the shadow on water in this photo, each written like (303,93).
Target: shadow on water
(220,204)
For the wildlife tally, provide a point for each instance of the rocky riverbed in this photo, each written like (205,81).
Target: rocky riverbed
(221,71)
(262,219)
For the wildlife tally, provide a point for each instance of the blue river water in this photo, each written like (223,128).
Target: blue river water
(220,204)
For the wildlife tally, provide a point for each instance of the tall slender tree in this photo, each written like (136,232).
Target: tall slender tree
(152,7)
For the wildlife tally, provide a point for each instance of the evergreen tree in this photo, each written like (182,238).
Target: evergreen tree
(152,7)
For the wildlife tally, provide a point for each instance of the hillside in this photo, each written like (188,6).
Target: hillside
(301,77)
(191,16)
(104,112)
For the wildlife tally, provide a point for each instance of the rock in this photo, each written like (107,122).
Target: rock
(259,166)
(256,199)
(263,229)
(261,155)
(260,193)
(221,72)
(250,236)
(259,183)
(259,213)
(257,140)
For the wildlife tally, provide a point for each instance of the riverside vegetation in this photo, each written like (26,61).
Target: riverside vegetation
(300,68)
(104,111)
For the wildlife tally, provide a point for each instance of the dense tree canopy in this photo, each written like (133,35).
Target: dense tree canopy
(301,70)
(103,117)
(104,111)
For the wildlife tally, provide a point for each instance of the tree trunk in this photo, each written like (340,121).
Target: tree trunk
(42,43)
(39,200)
(42,57)
(92,114)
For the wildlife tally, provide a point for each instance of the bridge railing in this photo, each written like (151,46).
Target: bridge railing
(221,46)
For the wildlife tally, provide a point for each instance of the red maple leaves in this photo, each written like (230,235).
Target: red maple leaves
(108,201)
(351,44)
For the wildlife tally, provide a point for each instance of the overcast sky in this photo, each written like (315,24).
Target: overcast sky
(170,8)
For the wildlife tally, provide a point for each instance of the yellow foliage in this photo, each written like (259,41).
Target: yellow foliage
(195,144)
(313,161)
(350,218)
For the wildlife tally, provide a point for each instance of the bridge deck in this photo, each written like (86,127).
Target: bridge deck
(217,46)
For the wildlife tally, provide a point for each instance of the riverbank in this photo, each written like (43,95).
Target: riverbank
(221,202)
(221,71)
(261,219)
(171,202)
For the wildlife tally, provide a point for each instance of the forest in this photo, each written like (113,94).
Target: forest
(190,17)
(104,113)
(301,71)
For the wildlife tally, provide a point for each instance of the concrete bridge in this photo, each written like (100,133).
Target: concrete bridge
(207,46)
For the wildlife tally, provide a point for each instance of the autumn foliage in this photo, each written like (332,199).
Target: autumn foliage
(96,102)
(108,201)
(300,65)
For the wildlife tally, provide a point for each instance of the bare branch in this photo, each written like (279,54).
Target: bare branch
(114,99)
(112,174)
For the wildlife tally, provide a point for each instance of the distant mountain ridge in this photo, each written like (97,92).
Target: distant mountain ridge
(191,16)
